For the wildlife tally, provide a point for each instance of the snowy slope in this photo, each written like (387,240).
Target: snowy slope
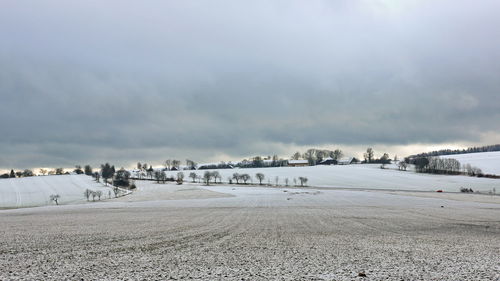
(35,191)
(488,162)
(362,176)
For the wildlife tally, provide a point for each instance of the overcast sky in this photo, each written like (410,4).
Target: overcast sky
(126,81)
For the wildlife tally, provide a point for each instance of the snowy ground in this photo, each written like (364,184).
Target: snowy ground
(152,191)
(488,162)
(35,191)
(363,177)
(253,233)
(235,232)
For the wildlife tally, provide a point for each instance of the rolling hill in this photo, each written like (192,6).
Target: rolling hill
(35,191)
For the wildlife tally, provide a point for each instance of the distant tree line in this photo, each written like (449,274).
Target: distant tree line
(487,148)
(221,165)
(447,166)
(87,170)
(436,165)
(369,156)
(315,156)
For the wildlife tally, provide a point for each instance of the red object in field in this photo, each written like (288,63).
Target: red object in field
(439,190)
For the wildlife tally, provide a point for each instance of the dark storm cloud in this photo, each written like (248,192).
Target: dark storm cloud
(124,80)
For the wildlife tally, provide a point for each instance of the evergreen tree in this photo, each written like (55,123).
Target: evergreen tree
(107,171)
(88,170)
(122,178)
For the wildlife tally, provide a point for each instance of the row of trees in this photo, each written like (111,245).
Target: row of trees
(369,156)
(261,162)
(215,177)
(161,177)
(487,148)
(44,172)
(88,193)
(314,156)
(17,174)
(437,165)
(169,164)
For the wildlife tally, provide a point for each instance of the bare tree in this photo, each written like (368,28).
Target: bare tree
(402,165)
(94,194)
(180,177)
(192,175)
(116,191)
(55,198)
(191,165)
(303,181)
(260,177)
(237,177)
(176,164)
(43,172)
(310,156)
(385,159)
(368,155)
(150,172)
(27,173)
(245,178)
(206,177)
(337,154)
(168,164)
(87,193)
(216,176)
(159,175)
(296,156)
(99,194)
(320,154)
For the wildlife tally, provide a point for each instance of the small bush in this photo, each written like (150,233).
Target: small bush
(466,190)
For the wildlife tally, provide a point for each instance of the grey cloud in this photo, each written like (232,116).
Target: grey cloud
(96,81)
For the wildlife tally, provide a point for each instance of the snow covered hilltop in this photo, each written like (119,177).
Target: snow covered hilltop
(36,191)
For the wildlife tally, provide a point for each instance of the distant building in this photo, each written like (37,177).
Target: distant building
(346,161)
(298,163)
(328,161)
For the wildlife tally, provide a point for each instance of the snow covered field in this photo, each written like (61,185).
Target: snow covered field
(488,162)
(364,177)
(253,233)
(35,191)
(236,232)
